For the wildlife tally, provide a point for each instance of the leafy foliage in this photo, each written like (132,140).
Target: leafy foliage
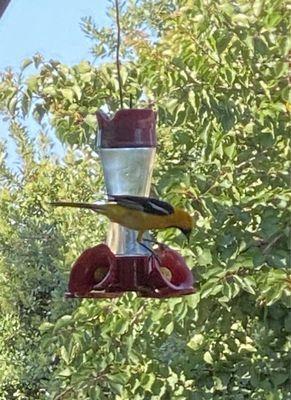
(216,72)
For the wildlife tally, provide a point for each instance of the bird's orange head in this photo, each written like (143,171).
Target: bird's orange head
(184,222)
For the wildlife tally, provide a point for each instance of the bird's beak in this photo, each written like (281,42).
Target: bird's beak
(187,234)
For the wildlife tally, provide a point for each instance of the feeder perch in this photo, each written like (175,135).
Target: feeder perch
(127,146)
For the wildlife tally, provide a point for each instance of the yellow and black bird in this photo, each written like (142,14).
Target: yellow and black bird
(139,213)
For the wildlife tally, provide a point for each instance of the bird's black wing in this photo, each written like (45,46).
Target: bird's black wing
(146,204)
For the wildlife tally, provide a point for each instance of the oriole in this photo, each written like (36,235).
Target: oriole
(139,213)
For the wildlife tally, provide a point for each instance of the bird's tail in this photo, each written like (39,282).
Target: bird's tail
(94,207)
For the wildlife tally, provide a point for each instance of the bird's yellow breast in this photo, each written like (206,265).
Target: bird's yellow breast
(136,219)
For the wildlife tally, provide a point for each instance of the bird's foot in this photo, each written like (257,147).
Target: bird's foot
(153,254)
(156,257)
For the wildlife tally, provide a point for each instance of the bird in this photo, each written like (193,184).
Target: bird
(139,213)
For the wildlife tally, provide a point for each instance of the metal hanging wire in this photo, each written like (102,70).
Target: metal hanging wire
(118,53)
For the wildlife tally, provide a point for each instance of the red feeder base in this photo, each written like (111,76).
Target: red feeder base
(98,273)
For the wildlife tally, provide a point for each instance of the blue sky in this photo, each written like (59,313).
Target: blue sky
(50,27)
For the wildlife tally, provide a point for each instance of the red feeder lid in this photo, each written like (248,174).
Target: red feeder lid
(128,128)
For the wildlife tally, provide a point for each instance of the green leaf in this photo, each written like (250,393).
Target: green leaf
(65,372)
(45,326)
(205,257)
(273,19)
(172,105)
(192,101)
(50,90)
(279,378)
(25,104)
(207,357)
(195,342)
(211,288)
(230,150)
(147,381)
(260,46)
(12,104)
(223,41)
(65,355)
(121,326)
(116,388)
(26,63)
(38,112)
(68,94)
(64,321)
(91,121)
(246,283)
(120,377)
(258,7)
(169,328)
(83,67)
(77,91)
(95,393)
(32,83)
(241,19)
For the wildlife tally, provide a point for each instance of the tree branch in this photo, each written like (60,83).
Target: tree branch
(117,53)
(3,6)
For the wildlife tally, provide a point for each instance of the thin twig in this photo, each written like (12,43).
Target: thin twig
(67,390)
(117,53)
(272,242)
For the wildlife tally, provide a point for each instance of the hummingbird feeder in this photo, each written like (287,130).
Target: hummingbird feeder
(127,146)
